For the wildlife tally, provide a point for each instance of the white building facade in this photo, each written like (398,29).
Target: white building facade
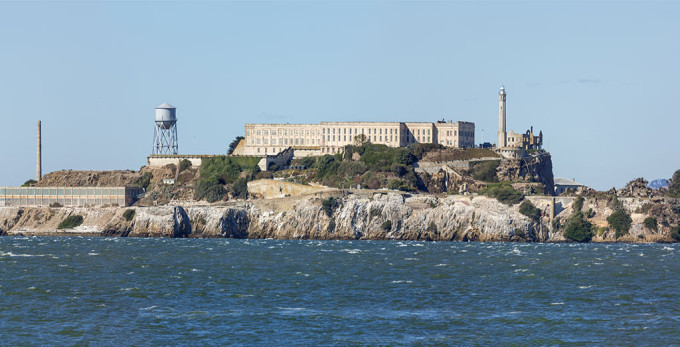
(332,137)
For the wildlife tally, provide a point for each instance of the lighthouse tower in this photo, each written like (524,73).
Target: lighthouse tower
(502,133)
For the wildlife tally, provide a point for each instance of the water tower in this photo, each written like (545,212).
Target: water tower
(165,131)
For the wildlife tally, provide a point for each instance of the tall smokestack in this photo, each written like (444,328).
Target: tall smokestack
(38,169)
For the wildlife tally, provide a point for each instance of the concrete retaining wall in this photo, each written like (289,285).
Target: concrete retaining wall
(162,160)
(271,189)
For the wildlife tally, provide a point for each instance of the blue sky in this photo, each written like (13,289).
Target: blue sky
(600,79)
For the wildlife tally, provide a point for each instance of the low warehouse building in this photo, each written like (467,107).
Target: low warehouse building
(69,196)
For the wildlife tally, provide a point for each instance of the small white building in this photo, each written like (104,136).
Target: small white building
(562,184)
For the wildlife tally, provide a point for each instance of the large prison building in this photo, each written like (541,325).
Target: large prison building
(332,137)
(69,196)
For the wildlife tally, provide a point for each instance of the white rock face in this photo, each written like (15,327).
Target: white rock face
(381,216)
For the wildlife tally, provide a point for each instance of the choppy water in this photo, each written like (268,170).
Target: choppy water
(109,291)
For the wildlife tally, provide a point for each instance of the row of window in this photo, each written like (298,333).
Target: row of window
(328,131)
(300,142)
(62,191)
(376,131)
(334,138)
(340,131)
(282,132)
(63,201)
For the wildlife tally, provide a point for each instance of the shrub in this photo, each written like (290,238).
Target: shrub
(399,169)
(578,228)
(210,191)
(129,214)
(307,162)
(144,181)
(326,165)
(329,205)
(387,225)
(184,164)
(420,149)
(620,221)
(674,185)
(503,192)
(368,180)
(331,225)
(71,222)
(263,175)
(485,170)
(528,209)
(395,184)
(29,183)
(591,213)
(614,203)
(675,233)
(400,185)
(577,204)
(225,170)
(350,168)
(644,208)
(240,188)
(233,144)
(556,224)
(56,204)
(650,223)
(379,158)
(375,212)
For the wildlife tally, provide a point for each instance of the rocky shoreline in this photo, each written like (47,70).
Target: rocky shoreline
(375,216)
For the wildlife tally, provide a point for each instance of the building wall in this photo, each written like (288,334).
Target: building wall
(68,196)
(514,139)
(271,189)
(527,140)
(160,160)
(332,137)
(281,159)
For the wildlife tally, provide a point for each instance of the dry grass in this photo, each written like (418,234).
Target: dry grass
(451,154)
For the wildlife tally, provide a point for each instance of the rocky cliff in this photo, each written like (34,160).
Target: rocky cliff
(533,169)
(380,216)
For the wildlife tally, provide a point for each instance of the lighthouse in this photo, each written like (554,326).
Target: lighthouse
(502,133)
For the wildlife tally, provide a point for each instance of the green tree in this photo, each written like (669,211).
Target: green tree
(233,144)
(240,188)
(361,139)
(144,181)
(578,204)
(184,164)
(650,223)
(503,192)
(528,209)
(29,183)
(71,222)
(620,221)
(129,214)
(209,190)
(329,205)
(675,233)
(486,170)
(578,228)
(674,185)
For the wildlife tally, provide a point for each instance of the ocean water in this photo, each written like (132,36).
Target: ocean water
(125,291)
